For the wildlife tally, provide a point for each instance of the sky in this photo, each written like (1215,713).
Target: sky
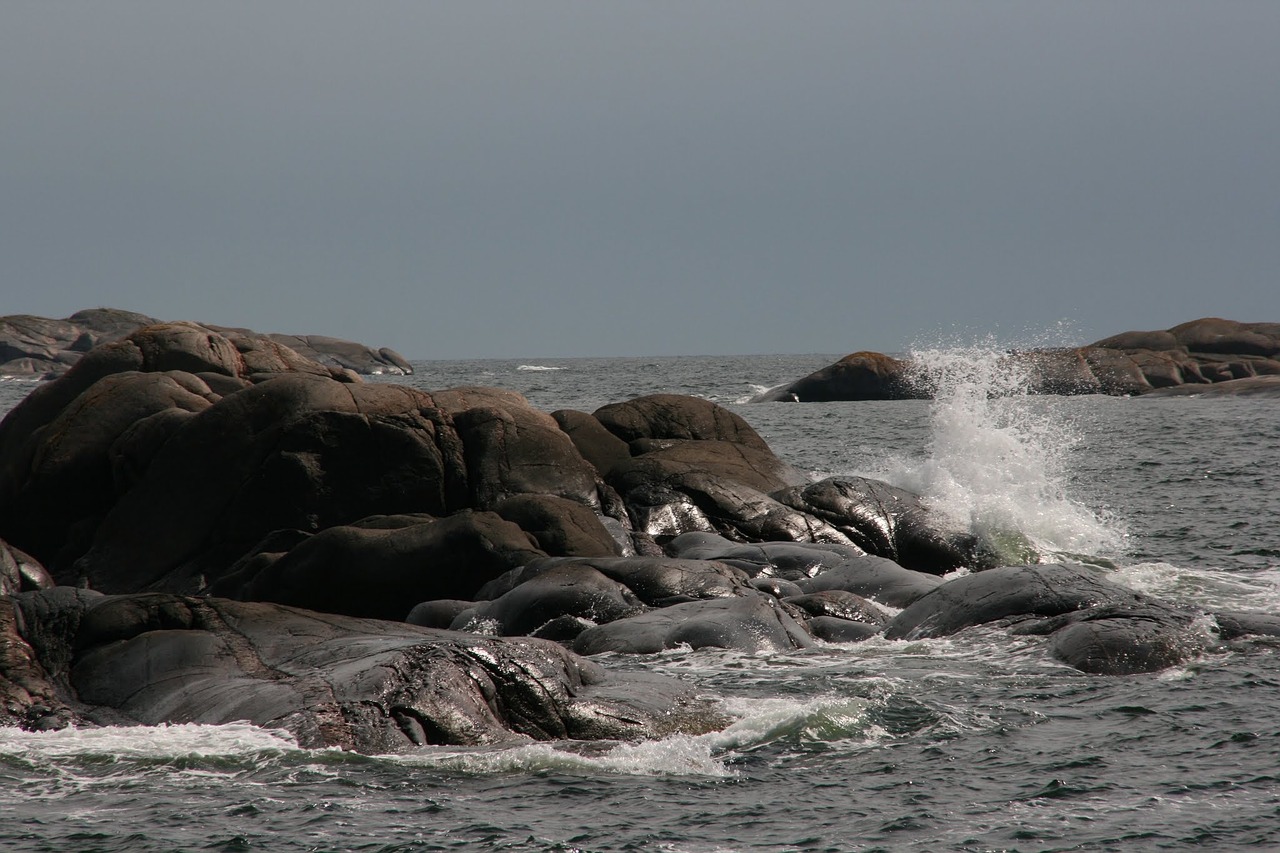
(546,178)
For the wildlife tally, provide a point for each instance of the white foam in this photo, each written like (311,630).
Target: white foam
(1206,588)
(537,367)
(996,460)
(680,755)
(759,721)
(145,742)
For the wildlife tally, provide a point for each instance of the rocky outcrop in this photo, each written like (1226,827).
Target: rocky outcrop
(1235,357)
(74,656)
(45,348)
(193,490)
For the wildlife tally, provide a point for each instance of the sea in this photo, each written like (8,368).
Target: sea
(976,742)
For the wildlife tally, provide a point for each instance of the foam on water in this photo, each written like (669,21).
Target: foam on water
(125,743)
(1207,588)
(758,722)
(996,460)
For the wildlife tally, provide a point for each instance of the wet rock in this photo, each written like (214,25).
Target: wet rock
(676,416)
(1123,639)
(752,623)
(877,578)
(891,522)
(840,604)
(378,573)
(571,589)
(330,681)
(1048,590)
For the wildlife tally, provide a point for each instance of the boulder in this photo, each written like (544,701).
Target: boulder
(20,572)
(858,376)
(381,572)
(753,623)
(571,589)
(1123,639)
(877,578)
(786,560)
(1001,593)
(680,417)
(655,581)
(891,522)
(840,604)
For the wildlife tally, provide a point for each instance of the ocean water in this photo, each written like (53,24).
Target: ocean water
(978,742)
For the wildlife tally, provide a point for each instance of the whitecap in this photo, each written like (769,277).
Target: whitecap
(997,457)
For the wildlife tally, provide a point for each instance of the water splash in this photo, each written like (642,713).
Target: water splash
(997,458)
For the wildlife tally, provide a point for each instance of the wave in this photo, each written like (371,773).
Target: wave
(537,367)
(997,457)
(239,747)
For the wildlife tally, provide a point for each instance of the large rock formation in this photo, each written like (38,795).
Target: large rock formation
(45,348)
(1241,356)
(191,489)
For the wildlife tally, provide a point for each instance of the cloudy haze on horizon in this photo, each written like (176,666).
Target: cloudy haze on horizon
(479,179)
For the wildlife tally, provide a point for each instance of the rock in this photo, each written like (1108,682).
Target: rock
(876,578)
(47,348)
(752,623)
(832,629)
(977,599)
(1208,350)
(330,681)
(566,589)
(859,376)
(655,581)
(297,451)
(1254,386)
(1123,639)
(679,417)
(891,522)
(786,560)
(840,604)
(43,347)
(20,572)
(380,573)
(562,528)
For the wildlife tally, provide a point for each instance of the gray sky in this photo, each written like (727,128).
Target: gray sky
(477,179)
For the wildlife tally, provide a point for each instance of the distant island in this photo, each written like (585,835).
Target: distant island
(1209,355)
(45,348)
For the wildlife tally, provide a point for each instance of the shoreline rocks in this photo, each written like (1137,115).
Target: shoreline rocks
(45,348)
(171,504)
(1209,354)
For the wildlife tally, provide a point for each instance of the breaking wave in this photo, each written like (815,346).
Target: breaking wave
(997,457)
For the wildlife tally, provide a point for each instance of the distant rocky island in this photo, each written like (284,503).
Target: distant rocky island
(45,348)
(1209,355)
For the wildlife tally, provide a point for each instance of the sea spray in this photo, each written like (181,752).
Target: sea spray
(996,462)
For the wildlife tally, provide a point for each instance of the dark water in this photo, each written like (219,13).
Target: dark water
(976,742)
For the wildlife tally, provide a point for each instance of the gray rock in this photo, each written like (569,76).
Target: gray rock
(1048,590)
(754,623)
(363,685)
